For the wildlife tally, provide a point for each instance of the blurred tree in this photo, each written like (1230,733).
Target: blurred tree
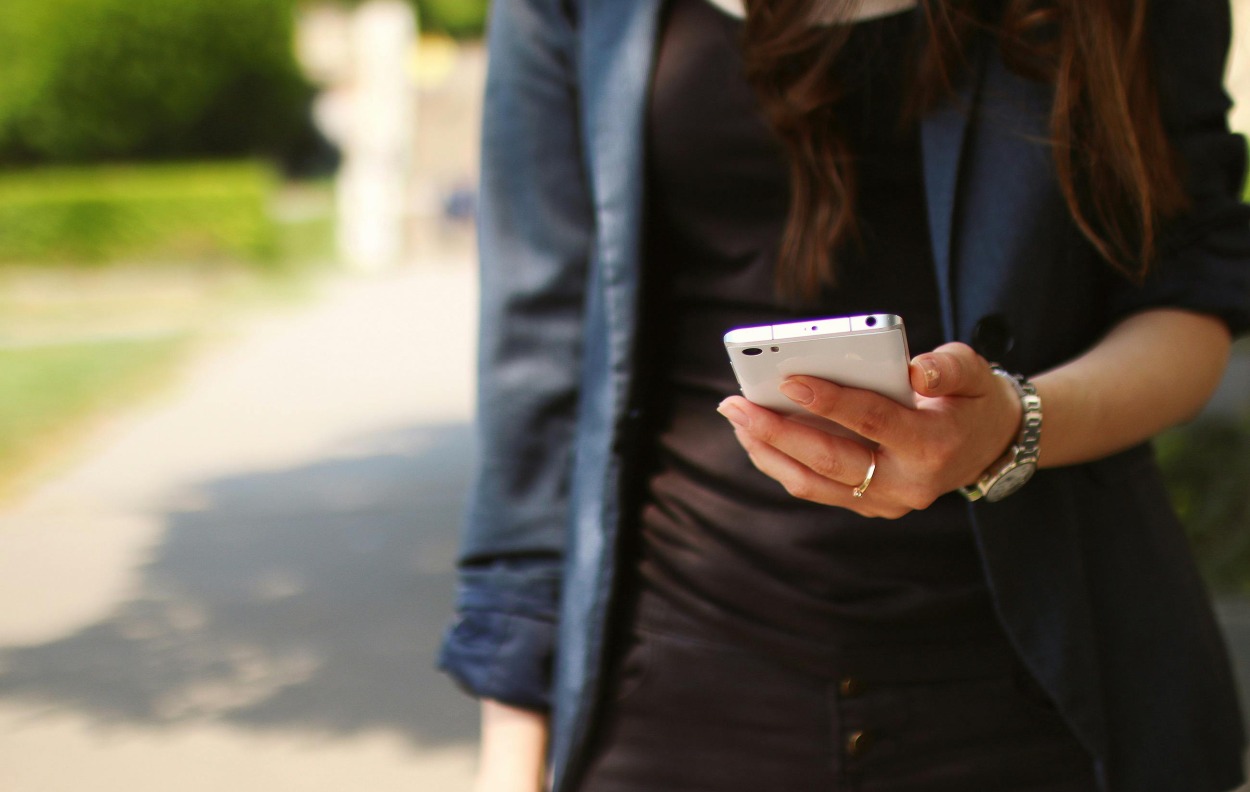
(98,80)
(457,18)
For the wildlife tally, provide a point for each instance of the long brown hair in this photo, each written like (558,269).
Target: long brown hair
(1114,163)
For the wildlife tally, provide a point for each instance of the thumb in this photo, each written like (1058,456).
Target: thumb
(950,370)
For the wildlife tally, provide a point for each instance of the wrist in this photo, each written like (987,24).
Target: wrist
(1010,471)
(1009,432)
(513,749)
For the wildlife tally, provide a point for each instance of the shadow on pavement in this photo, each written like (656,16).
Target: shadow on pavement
(310,599)
(307,599)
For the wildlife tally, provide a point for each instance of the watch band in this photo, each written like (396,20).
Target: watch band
(1030,438)
(1014,468)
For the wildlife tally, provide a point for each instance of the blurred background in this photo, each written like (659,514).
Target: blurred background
(236,332)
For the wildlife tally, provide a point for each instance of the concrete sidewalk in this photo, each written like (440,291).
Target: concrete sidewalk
(242,585)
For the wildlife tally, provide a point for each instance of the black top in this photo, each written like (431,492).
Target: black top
(718,538)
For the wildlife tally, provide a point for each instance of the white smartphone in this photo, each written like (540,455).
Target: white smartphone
(867,351)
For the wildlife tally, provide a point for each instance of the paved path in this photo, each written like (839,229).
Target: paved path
(241,586)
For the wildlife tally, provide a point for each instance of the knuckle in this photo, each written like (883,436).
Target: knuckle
(963,360)
(762,430)
(957,370)
(937,456)
(829,465)
(872,420)
(824,403)
(960,351)
(799,488)
(918,493)
(921,499)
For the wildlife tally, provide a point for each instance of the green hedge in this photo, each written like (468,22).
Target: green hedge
(109,80)
(149,213)
(1207,467)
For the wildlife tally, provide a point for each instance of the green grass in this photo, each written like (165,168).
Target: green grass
(76,343)
(304,232)
(47,391)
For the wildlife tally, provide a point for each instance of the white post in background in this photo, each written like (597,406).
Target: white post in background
(376,176)
(369,110)
(1239,67)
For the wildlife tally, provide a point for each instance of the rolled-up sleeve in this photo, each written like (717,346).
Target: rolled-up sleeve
(535,229)
(1204,257)
(501,644)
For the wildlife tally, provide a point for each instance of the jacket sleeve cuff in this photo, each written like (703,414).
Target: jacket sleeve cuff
(501,645)
(1214,279)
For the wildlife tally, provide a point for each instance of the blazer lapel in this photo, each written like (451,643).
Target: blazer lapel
(942,136)
(618,48)
(617,43)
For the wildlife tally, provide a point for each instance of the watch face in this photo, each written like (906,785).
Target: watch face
(1011,480)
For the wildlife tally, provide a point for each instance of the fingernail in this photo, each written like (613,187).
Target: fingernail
(932,375)
(735,415)
(798,392)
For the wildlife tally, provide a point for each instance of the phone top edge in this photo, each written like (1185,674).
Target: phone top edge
(749,335)
(813,328)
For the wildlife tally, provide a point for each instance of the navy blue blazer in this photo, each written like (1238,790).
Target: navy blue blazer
(1088,567)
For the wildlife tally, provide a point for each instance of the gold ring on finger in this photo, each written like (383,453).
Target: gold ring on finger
(859,491)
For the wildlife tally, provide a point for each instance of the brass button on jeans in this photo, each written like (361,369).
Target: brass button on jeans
(857,743)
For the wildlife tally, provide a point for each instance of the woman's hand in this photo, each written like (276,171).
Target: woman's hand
(965,418)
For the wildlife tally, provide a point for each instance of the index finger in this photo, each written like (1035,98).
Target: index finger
(872,416)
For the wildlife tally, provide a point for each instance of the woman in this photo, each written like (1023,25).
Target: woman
(1050,186)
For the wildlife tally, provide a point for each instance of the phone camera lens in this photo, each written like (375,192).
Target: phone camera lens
(871,321)
(774,349)
(815,327)
(753,351)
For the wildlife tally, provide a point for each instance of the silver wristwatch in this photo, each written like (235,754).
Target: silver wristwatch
(1018,465)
